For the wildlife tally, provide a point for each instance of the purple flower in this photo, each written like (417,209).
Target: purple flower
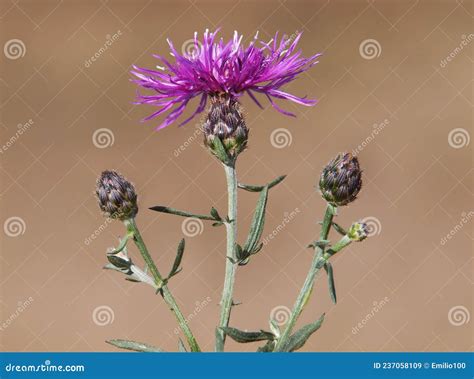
(215,68)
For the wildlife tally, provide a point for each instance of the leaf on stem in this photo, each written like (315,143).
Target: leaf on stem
(181,347)
(339,229)
(177,261)
(331,284)
(275,328)
(252,245)
(215,214)
(221,151)
(321,243)
(177,212)
(267,348)
(135,346)
(244,337)
(273,183)
(299,338)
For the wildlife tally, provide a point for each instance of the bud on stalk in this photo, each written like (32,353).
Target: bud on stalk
(358,231)
(341,180)
(225,121)
(117,196)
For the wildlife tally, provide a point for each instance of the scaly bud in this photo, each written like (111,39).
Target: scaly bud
(225,121)
(341,180)
(358,231)
(117,196)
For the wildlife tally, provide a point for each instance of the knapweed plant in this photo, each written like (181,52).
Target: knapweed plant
(220,73)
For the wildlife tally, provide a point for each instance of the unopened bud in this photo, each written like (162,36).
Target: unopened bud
(341,180)
(117,196)
(358,231)
(225,121)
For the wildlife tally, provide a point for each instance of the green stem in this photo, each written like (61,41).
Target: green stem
(230,267)
(167,296)
(305,291)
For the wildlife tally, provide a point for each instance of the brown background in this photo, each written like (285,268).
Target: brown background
(416,184)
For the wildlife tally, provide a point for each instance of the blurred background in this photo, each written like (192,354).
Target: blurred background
(394,86)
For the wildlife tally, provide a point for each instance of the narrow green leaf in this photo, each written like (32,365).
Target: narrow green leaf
(135,346)
(258,222)
(218,223)
(120,260)
(267,348)
(177,261)
(244,337)
(321,243)
(244,261)
(331,284)
(177,212)
(299,338)
(220,151)
(215,214)
(181,346)
(273,183)
(339,229)
(240,254)
(275,328)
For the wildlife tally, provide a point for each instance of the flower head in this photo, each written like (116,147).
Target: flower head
(225,122)
(116,195)
(341,180)
(216,68)
(358,231)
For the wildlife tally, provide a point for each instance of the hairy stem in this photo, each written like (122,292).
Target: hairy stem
(230,266)
(167,296)
(305,291)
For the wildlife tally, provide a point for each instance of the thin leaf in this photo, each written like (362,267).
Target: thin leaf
(177,212)
(215,214)
(135,346)
(321,243)
(258,222)
(220,151)
(181,346)
(177,261)
(331,284)
(244,337)
(299,338)
(273,183)
(339,229)
(267,348)
(275,328)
